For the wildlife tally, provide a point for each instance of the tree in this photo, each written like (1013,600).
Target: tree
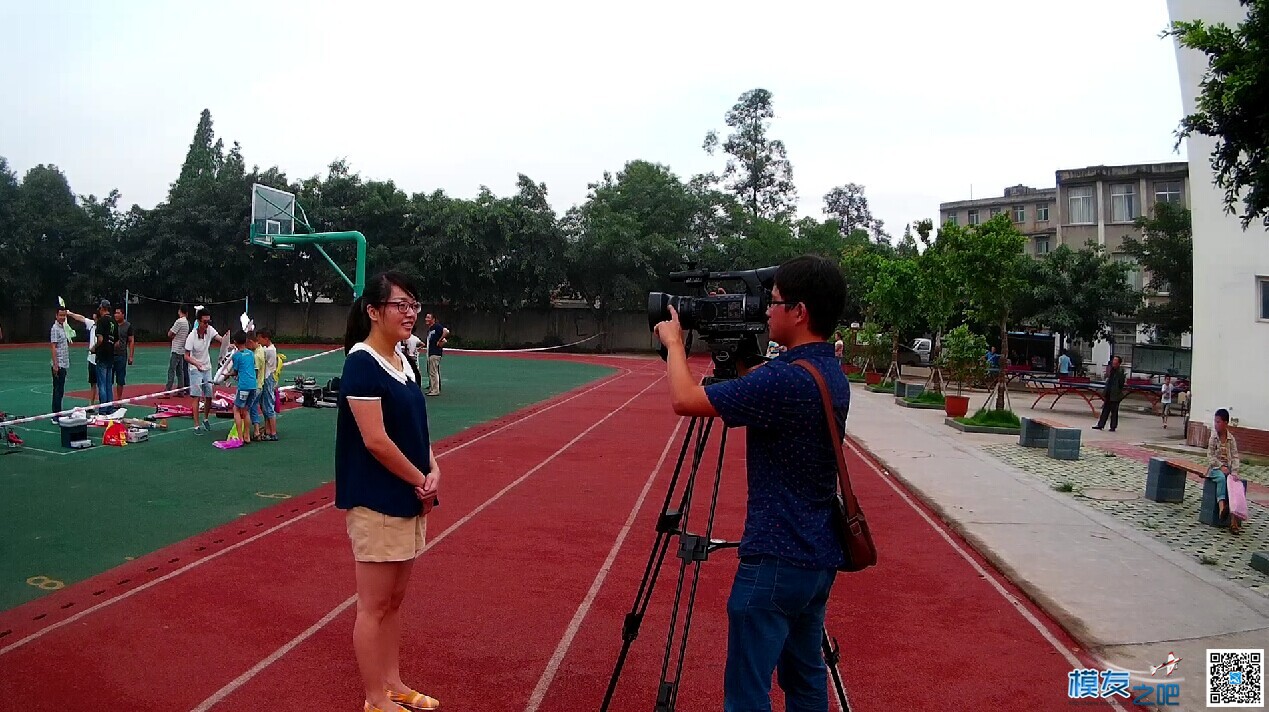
(848,205)
(1233,105)
(940,296)
(893,302)
(624,240)
(1076,293)
(989,262)
(205,154)
(1166,253)
(12,244)
(758,168)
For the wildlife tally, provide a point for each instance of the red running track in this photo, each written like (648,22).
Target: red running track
(532,562)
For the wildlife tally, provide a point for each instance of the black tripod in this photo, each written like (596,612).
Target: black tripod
(693,549)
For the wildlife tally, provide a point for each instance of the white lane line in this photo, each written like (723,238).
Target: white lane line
(276,655)
(194,564)
(992,579)
(557,658)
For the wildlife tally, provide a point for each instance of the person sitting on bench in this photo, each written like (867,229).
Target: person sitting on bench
(1222,461)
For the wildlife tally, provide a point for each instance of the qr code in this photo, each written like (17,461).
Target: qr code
(1235,678)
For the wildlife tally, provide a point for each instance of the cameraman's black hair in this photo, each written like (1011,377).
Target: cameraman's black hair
(817,283)
(378,289)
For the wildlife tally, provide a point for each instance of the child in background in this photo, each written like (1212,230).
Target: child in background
(257,419)
(1165,398)
(269,386)
(248,393)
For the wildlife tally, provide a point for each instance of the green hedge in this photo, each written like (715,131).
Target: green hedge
(993,419)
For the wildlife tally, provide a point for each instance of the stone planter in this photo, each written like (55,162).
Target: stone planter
(979,428)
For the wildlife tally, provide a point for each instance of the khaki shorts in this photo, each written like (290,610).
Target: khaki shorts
(379,537)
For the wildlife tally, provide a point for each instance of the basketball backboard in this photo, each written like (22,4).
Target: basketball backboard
(272,213)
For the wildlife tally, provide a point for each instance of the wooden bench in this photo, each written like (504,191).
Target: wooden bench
(1165,482)
(1062,441)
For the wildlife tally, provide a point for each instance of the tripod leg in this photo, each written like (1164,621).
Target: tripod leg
(693,549)
(668,525)
(832,656)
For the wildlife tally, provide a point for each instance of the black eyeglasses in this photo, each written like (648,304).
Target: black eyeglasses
(774,302)
(405,307)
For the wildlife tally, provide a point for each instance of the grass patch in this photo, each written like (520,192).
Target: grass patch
(883,387)
(927,397)
(1207,560)
(1065,487)
(992,419)
(855,378)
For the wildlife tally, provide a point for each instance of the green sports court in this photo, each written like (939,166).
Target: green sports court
(68,514)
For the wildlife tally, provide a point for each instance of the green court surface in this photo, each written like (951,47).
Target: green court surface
(66,515)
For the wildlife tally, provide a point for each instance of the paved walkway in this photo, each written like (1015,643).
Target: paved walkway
(1123,574)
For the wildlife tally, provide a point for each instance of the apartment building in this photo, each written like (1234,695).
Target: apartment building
(1031,209)
(1096,204)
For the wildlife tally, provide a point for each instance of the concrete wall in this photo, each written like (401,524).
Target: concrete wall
(1230,343)
(627,331)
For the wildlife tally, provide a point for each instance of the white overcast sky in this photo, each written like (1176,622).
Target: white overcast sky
(916,100)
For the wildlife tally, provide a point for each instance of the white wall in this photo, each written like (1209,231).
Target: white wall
(1231,348)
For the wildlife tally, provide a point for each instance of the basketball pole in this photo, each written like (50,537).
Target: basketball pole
(358,283)
(315,239)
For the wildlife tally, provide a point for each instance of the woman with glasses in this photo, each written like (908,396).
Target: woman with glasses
(386,477)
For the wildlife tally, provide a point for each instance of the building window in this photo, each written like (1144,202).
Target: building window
(1135,279)
(1019,213)
(951,219)
(1123,202)
(1167,191)
(996,211)
(1263,283)
(1124,334)
(1080,202)
(1042,245)
(1042,213)
(973,218)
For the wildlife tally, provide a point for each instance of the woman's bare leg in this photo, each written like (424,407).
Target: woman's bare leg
(376,589)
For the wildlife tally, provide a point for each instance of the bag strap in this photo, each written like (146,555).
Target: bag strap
(843,475)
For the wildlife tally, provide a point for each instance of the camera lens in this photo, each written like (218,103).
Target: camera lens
(659,304)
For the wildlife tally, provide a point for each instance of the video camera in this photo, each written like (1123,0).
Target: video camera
(730,324)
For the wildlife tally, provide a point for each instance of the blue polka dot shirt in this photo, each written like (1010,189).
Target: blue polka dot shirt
(792,468)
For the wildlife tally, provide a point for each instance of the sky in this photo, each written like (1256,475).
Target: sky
(920,101)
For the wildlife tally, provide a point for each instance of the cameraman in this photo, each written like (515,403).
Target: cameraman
(789,554)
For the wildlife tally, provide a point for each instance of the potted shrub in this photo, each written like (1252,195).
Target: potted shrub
(962,358)
(876,353)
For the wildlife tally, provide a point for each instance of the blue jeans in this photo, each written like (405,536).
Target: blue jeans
(269,398)
(776,622)
(105,373)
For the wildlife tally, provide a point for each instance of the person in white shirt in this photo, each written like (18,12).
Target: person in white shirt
(1165,398)
(177,370)
(198,356)
(410,349)
(91,326)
